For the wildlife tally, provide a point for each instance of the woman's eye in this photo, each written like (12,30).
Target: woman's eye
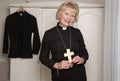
(72,16)
(66,13)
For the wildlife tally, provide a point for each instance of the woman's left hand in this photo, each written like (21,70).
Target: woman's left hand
(78,60)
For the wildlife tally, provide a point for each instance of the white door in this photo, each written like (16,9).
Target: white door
(26,69)
(90,23)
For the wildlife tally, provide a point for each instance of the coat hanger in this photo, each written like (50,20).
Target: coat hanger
(21,9)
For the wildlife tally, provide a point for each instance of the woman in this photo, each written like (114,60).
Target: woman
(61,39)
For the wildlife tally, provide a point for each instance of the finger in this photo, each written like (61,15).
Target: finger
(81,61)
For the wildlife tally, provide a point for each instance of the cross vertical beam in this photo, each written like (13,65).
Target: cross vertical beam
(69,54)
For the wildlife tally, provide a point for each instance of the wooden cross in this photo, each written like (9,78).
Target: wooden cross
(68,55)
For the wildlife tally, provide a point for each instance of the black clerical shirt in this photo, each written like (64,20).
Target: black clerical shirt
(52,43)
(18,42)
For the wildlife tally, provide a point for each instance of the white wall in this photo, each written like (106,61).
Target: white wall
(3,13)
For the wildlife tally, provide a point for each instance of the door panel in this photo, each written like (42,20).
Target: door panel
(26,69)
(90,23)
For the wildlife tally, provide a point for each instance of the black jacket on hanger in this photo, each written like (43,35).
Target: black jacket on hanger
(21,36)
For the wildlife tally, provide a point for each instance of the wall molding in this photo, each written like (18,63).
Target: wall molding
(42,4)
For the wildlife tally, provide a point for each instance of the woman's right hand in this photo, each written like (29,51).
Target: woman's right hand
(64,64)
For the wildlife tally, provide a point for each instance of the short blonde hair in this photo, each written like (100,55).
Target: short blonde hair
(69,4)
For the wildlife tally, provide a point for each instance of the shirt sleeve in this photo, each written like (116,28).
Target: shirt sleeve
(36,38)
(45,52)
(82,47)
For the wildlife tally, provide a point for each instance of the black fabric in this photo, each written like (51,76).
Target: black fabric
(52,44)
(18,42)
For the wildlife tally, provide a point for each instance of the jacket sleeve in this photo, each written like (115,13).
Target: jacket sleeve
(5,38)
(45,52)
(36,38)
(82,47)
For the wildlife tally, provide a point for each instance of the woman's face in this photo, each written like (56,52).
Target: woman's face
(67,17)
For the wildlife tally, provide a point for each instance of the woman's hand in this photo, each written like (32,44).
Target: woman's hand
(78,60)
(63,65)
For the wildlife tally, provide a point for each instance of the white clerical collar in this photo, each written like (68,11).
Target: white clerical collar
(64,28)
